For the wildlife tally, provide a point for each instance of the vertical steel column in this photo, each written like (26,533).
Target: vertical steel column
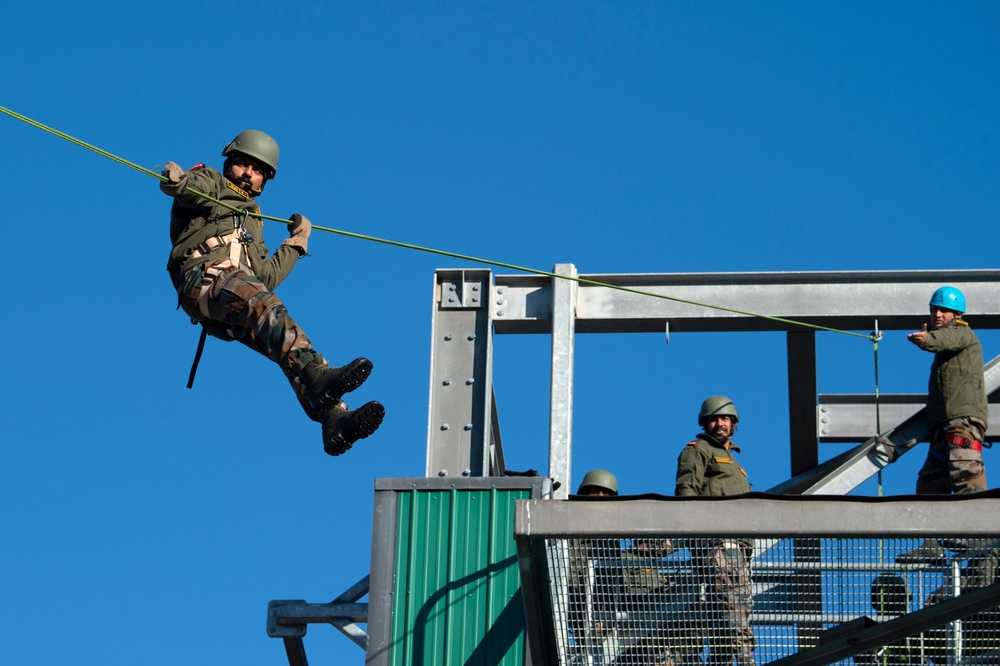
(460,413)
(564,293)
(804,442)
(802,396)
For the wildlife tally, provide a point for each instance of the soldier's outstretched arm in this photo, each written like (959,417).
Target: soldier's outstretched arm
(273,270)
(949,339)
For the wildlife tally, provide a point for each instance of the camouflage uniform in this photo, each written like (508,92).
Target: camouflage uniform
(706,468)
(228,286)
(956,411)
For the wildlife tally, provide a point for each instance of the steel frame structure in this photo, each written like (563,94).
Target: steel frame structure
(473,305)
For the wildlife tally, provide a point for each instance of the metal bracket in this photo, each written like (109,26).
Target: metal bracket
(462,292)
(287,619)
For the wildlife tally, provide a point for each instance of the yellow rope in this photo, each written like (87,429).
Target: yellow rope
(419,248)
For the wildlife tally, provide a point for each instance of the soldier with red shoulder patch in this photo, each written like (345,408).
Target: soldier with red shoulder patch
(225,279)
(707,467)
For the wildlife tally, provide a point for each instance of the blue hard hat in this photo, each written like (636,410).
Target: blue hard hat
(948,298)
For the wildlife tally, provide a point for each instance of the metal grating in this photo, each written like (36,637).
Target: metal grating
(681,581)
(626,601)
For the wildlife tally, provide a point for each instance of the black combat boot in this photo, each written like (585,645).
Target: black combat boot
(342,426)
(324,386)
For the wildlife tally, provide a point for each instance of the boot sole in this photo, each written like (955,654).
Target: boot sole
(363,422)
(351,377)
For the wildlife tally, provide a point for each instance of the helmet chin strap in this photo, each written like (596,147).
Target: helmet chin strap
(244,186)
(227,171)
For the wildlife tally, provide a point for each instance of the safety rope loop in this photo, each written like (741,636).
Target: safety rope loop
(878,411)
(246,214)
(876,336)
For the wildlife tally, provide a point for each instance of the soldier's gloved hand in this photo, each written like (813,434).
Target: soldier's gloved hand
(176,180)
(298,233)
(887,451)
(884,450)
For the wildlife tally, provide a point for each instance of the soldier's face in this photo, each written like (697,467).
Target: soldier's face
(940,316)
(247,173)
(719,426)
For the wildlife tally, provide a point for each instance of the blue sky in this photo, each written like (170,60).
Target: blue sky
(145,523)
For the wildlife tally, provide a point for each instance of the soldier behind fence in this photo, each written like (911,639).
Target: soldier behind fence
(611,588)
(587,593)
(980,633)
(707,466)
(890,598)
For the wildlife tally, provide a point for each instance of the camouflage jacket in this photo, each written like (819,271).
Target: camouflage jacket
(705,467)
(194,220)
(956,387)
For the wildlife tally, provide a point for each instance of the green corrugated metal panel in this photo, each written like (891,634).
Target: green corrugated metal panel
(457,591)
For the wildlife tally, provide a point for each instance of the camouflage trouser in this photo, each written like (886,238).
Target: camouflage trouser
(232,304)
(950,467)
(729,563)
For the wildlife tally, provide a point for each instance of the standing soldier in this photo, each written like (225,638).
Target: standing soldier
(707,466)
(956,409)
(588,593)
(225,281)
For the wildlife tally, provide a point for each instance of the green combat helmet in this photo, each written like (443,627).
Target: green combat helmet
(255,144)
(717,405)
(599,478)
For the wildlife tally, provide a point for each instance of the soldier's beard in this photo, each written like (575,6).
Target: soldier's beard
(721,435)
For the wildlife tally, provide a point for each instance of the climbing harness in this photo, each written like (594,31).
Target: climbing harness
(238,241)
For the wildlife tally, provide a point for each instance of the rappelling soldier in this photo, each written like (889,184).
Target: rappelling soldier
(225,281)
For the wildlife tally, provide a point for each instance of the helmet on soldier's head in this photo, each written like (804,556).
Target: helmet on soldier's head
(599,478)
(255,144)
(717,405)
(948,298)
(890,594)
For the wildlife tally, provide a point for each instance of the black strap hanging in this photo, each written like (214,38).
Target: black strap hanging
(197,357)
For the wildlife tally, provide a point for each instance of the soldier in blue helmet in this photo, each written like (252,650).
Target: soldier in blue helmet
(956,409)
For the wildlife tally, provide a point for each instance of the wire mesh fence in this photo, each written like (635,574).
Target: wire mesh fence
(736,600)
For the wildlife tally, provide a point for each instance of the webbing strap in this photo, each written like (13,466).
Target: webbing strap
(197,357)
(964,442)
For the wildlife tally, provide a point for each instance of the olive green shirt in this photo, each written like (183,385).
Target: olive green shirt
(194,220)
(956,387)
(705,467)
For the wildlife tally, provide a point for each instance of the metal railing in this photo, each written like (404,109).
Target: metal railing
(678,582)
